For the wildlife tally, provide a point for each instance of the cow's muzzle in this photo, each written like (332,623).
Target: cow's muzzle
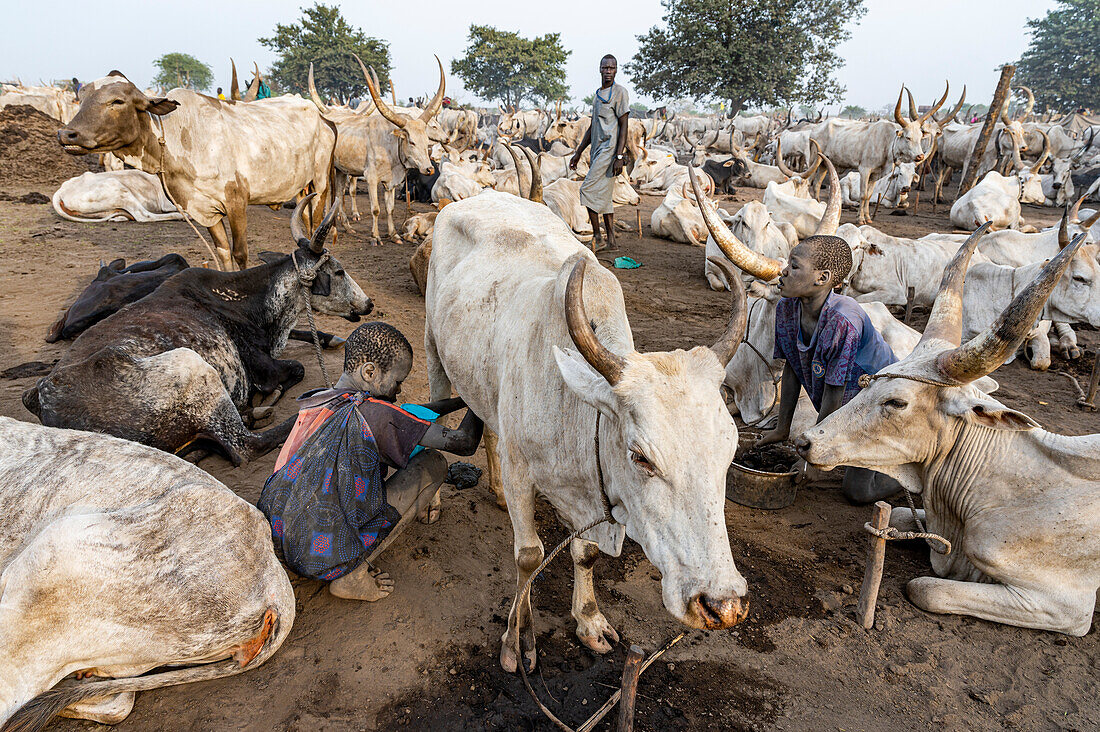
(355,315)
(714,613)
(69,142)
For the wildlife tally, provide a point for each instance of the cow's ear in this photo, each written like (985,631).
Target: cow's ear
(160,105)
(988,413)
(322,286)
(269,257)
(119,74)
(585,381)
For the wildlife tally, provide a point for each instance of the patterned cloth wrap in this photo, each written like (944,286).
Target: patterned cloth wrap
(326,501)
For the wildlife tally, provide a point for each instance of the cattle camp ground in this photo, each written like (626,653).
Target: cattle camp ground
(426,657)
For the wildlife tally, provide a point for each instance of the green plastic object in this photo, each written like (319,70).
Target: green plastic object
(626,263)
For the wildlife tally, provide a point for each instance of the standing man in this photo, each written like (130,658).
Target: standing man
(607,135)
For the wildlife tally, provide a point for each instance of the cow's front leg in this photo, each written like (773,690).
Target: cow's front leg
(372,191)
(1061,610)
(592,627)
(867,180)
(353,189)
(238,227)
(529,555)
(390,195)
(222,250)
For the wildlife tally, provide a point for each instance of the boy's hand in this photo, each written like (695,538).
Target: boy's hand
(573,161)
(773,436)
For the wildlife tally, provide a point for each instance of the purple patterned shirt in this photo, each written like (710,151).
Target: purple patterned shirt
(844,346)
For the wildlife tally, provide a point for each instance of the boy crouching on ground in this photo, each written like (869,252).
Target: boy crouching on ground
(828,342)
(330,502)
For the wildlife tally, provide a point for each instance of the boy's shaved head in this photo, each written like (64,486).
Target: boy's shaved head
(831,253)
(375,342)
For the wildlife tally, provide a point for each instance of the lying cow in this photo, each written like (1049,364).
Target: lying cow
(175,368)
(1018,504)
(122,195)
(678,217)
(117,559)
(510,289)
(114,286)
(997,198)
(755,228)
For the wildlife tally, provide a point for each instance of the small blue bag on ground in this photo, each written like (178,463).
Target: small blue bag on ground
(327,504)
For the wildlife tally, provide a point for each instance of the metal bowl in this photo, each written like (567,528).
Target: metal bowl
(758,489)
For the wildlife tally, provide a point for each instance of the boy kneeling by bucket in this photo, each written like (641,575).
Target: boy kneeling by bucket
(828,342)
(329,501)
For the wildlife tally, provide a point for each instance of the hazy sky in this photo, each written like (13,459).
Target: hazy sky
(921,43)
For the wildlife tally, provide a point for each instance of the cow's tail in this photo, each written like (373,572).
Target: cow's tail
(37,713)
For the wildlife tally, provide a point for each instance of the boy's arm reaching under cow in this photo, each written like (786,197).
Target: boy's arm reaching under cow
(788,400)
(461,441)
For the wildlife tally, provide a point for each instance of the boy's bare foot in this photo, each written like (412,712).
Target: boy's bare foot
(362,583)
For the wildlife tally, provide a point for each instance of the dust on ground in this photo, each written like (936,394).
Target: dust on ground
(426,657)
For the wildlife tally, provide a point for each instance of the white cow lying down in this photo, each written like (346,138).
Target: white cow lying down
(1018,504)
(116,195)
(116,559)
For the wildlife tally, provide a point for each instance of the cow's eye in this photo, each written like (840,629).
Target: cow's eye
(642,462)
(117,102)
(1082,280)
(898,404)
(340,273)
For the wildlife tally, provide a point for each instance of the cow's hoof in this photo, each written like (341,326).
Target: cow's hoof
(1072,353)
(509,662)
(260,414)
(375,241)
(431,512)
(597,634)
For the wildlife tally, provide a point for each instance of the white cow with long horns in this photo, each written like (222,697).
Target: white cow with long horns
(532,333)
(1018,504)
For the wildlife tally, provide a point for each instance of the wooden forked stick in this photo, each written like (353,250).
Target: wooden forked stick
(872,576)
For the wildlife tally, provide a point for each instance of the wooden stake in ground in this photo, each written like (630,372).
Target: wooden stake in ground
(407,199)
(638,220)
(872,576)
(1089,402)
(631,673)
(976,155)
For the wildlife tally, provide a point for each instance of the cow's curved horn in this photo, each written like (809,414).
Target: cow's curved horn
(1044,155)
(756,264)
(1087,223)
(317,242)
(945,320)
(936,107)
(913,113)
(830,220)
(536,175)
(437,101)
(372,86)
(317,101)
(598,356)
(253,88)
(234,87)
(951,115)
(297,226)
(779,160)
(966,116)
(1030,103)
(897,109)
(726,345)
(1063,229)
(519,168)
(1075,212)
(989,349)
(1004,112)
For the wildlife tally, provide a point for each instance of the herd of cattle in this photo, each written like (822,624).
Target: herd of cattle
(118,557)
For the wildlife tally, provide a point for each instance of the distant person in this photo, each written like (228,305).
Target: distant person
(264,90)
(76,87)
(607,136)
(220,95)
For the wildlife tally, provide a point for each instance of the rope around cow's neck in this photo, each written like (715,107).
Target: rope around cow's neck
(606,518)
(306,276)
(164,184)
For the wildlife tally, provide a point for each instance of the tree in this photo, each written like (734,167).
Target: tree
(182,70)
(502,65)
(853,111)
(745,51)
(1062,63)
(323,37)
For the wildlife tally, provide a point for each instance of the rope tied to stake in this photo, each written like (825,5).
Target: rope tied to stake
(306,277)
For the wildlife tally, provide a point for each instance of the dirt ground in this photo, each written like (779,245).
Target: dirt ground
(426,658)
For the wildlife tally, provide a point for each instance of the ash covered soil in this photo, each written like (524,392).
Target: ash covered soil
(426,657)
